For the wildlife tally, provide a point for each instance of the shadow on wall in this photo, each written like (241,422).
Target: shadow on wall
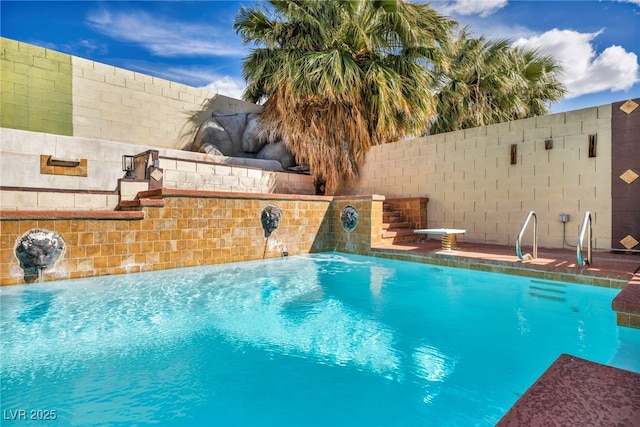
(228,127)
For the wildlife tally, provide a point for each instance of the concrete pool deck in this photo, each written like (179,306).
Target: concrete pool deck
(577,392)
(608,268)
(572,391)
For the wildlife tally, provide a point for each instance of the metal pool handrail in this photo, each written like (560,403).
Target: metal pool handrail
(535,235)
(586,226)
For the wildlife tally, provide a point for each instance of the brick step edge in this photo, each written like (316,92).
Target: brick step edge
(393,225)
(136,205)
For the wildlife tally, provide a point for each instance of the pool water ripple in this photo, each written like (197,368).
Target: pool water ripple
(322,339)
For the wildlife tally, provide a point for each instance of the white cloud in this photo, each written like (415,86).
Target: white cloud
(165,37)
(472,7)
(200,77)
(227,86)
(585,71)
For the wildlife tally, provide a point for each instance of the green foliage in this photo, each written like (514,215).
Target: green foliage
(337,77)
(492,82)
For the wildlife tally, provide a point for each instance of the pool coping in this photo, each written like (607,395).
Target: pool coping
(480,259)
(575,391)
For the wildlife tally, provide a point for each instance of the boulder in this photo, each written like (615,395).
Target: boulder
(277,151)
(251,141)
(212,133)
(237,136)
(235,126)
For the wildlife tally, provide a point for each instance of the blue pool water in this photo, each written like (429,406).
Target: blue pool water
(324,339)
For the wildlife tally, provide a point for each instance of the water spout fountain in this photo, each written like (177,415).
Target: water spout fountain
(270,218)
(38,250)
(349,220)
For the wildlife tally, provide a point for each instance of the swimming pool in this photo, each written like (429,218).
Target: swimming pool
(323,339)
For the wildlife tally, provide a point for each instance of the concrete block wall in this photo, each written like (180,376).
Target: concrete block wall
(471,184)
(198,172)
(48,91)
(121,105)
(35,88)
(23,186)
(47,200)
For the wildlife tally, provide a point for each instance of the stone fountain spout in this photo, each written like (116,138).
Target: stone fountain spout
(349,218)
(270,218)
(38,250)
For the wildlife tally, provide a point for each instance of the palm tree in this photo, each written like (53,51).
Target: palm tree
(491,82)
(337,77)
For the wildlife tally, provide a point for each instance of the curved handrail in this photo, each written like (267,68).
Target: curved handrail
(583,228)
(535,235)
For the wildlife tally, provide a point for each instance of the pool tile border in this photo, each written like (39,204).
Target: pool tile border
(498,267)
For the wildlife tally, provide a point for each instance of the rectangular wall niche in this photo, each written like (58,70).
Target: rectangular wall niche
(592,145)
(50,165)
(513,154)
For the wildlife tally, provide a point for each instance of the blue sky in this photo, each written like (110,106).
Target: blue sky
(193,42)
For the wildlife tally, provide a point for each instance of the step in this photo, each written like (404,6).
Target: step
(389,217)
(394,225)
(138,204)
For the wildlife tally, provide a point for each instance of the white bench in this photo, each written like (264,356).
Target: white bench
(449,240)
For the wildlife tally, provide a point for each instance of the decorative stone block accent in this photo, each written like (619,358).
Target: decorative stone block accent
(157,174)
(51,166)
(629,242)
(629,176)
(629,106)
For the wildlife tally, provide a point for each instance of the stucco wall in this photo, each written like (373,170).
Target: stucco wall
(48,91)
(471,184)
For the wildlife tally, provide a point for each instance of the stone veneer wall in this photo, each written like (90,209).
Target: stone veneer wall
(48,91)
(471,184)
(368,231)
(191,228)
